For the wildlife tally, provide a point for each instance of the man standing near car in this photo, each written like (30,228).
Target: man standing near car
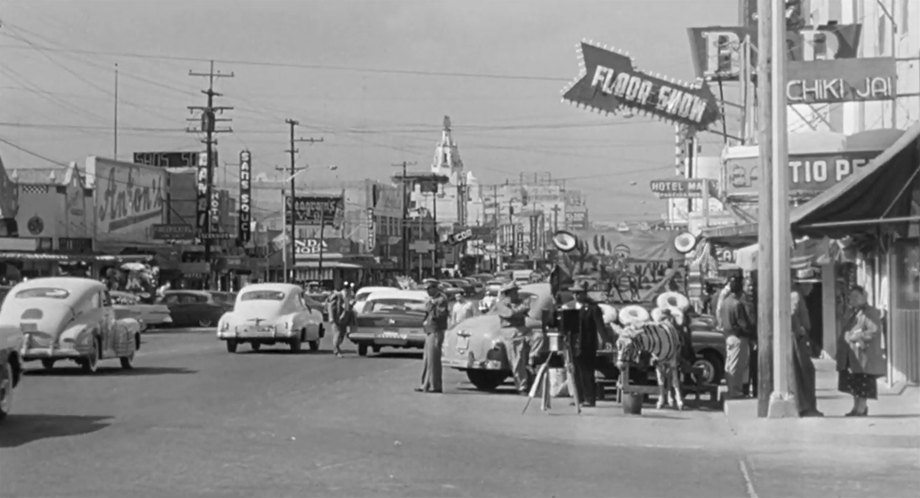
(512,314)
(340,315)
(739,329)
(437,312)
(584,342)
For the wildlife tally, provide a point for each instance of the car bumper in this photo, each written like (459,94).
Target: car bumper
(256,334)
(471,363)
(386,338)
(30,353)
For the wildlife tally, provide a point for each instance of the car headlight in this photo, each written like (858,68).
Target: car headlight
(224,326)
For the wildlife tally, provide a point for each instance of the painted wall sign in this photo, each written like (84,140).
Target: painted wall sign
(173,232)
(461,236)
(167,159)
(717,55)
(808,173)
(313,210)
(371,241)
(670,189)
(848,80)
(245,201)
(201,206)
(609,81)
(128,198)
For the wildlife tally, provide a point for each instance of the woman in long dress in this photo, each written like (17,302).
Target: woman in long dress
(859,353)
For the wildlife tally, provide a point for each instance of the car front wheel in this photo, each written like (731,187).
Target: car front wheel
(231,346)
(90,364)
(6,390)
(127,362)
(48,364)
(486,380)
(362,349)
(255,346)
(296,345)
(709,368)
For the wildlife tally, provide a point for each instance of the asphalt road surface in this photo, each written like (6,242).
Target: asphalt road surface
(192,420)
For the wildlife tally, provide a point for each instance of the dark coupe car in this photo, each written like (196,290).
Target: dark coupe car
(196,308)
(391,319)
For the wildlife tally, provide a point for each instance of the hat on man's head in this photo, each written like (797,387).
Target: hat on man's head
(430,282)
(510,286)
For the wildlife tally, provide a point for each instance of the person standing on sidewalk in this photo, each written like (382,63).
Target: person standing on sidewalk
(859,352)
(512,315)
(340,316)
(738,328)
(802,368)
(585,342)
(437,312)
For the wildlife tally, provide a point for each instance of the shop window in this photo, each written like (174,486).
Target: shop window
(45,244)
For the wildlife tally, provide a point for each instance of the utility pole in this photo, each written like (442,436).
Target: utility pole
(293,211)
(115,123)
(208,120)
(496,211)
(404,224)
(782,401)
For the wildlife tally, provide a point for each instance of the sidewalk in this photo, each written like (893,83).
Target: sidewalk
(893,421)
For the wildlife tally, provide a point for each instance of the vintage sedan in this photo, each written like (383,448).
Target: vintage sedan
(365,292)
(271,313)
(129,305)
(69,318)
(11,339)
(196,308)
(475,345)
(391,319)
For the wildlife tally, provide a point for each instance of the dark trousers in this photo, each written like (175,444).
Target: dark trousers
(584,377)
(752,389)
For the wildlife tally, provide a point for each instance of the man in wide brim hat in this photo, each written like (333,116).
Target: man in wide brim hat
(437,314)
(509,288)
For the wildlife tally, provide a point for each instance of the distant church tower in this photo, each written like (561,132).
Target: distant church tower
(446,156)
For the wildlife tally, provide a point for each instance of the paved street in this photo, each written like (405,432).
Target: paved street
(192,420)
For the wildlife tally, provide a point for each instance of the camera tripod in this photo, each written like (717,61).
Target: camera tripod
(542,380)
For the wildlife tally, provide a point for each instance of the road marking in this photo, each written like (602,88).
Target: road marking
(747,480)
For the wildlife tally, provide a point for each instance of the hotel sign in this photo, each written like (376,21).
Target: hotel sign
(846,80)
(608,81)
(678,189)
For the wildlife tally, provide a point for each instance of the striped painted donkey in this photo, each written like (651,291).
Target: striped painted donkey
(662,341)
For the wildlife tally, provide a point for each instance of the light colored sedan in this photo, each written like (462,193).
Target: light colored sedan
(271,313)
(69,318)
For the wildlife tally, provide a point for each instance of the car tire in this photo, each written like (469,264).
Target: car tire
(296,345)
(6,389)
(48,364)
(205,322)
(375,349)
(127,362)
(231,346)
(711,366)
(255,346)
(486,380)
(362,349)
(90,364)
(314,345)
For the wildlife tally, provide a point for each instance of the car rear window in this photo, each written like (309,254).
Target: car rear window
(378,305)
(46,292)
(262,295)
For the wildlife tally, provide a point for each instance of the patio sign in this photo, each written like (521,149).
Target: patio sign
(609,81)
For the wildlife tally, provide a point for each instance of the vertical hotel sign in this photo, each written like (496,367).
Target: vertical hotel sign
(371,242)
(245,209)
(202,201)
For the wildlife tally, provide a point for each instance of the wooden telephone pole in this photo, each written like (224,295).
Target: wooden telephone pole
(404,223)
(291,212)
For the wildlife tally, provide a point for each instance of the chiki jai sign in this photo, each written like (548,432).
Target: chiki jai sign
(128,198)
(245,208)
(609,81)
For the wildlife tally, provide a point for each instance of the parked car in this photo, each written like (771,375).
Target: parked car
(391,319)
(69,318)
(129,305)
(271,313)
(196,308)
(11,340)
(467,288)
(475,345)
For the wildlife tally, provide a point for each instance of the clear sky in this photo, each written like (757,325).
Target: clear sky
(374,78)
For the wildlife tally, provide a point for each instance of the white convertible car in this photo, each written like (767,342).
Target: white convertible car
(271,313)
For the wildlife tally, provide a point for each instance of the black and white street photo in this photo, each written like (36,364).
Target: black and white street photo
(489,248)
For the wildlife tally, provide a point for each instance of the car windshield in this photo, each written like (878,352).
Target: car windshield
(46,292)
(226,298)
(395,304)
(262,295)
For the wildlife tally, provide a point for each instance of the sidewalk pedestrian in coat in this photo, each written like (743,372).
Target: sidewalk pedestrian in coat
(802,368)
(859,352)
(739,329)
(437,312)
(584,342)
(512,315)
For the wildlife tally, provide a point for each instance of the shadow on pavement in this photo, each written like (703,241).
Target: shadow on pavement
(398,355)
(285,351)
(501,391)
(20,429)
(112,371)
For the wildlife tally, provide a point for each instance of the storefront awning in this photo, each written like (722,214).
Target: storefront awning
(103,258)
(732,235)
(877,197)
